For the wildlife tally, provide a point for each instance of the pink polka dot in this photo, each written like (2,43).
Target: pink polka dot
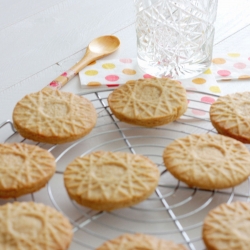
(126,60)
(249,58)
(224,72)
(240,65)
(147,76)
(207,99)
(112,78)
(198,112)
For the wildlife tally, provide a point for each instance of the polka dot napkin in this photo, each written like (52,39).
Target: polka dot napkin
(109,74)
(231,66)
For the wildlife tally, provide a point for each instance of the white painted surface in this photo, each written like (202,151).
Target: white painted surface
(41,39)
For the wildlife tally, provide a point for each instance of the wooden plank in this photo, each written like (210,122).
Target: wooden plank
(232,16)
(54,34)
(13,11)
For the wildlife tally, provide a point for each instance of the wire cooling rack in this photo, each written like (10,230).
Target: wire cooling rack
(174,212)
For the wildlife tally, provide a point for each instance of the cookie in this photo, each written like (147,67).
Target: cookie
(107,181)
(148,102)
(228,227)
(230,115)
(24,169)
(29,225)
(139,241)
(208,161)
(54,116)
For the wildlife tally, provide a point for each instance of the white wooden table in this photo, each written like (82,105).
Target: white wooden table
(41,39)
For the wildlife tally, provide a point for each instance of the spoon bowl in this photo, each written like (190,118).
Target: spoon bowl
(104,45)
(98,48)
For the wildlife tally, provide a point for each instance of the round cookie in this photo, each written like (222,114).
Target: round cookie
(24,169)
(228,227)
(230,115)
(107,181)
(139,241)
(29,225)
(148,102)
(208,161)
(54,116)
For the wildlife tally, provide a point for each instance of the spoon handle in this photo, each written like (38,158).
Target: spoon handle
(66,76)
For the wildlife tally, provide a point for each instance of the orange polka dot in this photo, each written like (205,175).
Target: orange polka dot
(215,89)
(129,72)
(233,54)
(244,77)
(219,61)
(108,66)
(208,71)
(94,84)
(91,72)
(199,80)
(92,63)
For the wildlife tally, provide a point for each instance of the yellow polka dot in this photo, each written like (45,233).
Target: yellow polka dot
(219,61)
(129,72)
(215,89)
(91,72)
(233,54)
(94,84)
(199,80)
(108,66)
(208,71)
(92,63)
(244,77)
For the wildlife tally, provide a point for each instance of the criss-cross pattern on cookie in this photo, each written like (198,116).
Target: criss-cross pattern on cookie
(208,161)
(29,225)
(149,98)
(22,165)
(110,176)
(228,227)
(54,113)
(232,113)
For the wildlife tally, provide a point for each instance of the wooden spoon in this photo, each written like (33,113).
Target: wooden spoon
(98,48)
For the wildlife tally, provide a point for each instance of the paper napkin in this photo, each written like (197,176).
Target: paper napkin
(109,74)
(231,66)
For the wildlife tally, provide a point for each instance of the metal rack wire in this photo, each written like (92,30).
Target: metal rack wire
(174,211)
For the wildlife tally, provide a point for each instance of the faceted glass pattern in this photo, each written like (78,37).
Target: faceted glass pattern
(175,37)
